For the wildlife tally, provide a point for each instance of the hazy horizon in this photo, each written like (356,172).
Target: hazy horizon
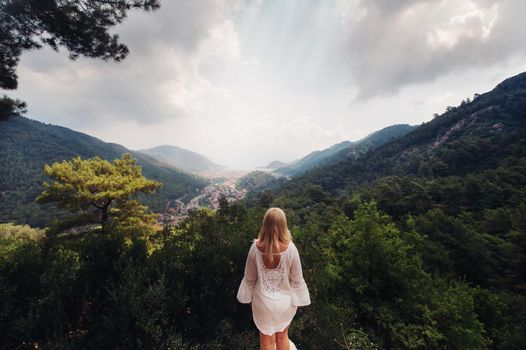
(248,82)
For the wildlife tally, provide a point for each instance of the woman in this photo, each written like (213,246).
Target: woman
(273,282)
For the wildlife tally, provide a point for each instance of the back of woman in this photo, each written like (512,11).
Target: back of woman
(273,281)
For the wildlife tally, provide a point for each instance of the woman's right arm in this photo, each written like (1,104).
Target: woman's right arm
(246,288)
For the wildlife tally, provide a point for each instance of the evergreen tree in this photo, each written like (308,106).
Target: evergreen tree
(99,189)
(9,106)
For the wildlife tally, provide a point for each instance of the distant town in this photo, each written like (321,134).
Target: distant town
(222,184)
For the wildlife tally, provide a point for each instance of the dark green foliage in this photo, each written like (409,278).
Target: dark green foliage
(258,181)
(177,290)
(105,190)
(26,145)
(103,291)
(79,26)
(8,107)
(364,273)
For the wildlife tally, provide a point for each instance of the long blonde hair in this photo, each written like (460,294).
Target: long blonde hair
(274,230)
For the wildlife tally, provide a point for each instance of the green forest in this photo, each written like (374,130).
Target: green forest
(417,244)
(27,145)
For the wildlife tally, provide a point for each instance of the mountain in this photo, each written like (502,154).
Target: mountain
(472,157)
(275,165)
(370,142)
(312,160)
(343,150)
(26,145)
(181,158)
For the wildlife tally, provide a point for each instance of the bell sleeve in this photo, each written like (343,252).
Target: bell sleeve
(246,288)
(300,292)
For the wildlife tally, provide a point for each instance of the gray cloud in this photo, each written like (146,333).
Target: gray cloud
(249,81)
(159,79)
(393,44)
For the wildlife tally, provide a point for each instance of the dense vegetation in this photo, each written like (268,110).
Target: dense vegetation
(419,244)
(99,192)
(257,181)
(8,106)
(26,145)
(370,287)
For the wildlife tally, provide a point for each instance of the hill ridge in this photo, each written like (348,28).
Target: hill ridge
(26,145)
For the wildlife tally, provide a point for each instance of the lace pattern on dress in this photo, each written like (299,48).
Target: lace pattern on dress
(272,279)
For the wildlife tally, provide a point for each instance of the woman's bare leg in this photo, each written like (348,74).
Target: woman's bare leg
(282,340)
(267,342)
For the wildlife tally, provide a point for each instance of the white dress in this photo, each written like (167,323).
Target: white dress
(275,294)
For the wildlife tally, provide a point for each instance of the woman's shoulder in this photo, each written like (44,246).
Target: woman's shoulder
(292,248)
(284,247)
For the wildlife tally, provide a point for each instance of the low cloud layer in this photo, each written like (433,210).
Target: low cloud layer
(246,82)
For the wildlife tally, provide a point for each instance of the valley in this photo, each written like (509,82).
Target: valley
(222,185)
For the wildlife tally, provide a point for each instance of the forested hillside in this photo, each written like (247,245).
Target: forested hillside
(26,145)
(344,150)
(477,137)
(257,181)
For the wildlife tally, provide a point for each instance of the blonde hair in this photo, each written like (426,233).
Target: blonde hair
(274,230)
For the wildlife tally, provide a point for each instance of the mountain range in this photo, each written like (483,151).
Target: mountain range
(343,150)
(181,158)
(481,144)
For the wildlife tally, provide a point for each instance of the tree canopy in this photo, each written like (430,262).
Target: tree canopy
(81,26)
(9,106)
(99,189)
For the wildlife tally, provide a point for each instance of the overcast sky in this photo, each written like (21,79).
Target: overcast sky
(247,82)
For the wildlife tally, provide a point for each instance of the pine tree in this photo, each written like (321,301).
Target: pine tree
(100,189)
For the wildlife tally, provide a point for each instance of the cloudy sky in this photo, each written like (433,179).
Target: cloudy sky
(247,82)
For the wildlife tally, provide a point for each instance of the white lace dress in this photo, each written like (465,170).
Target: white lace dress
(275,294)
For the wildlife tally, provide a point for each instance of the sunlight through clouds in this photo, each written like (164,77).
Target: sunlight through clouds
(247,82)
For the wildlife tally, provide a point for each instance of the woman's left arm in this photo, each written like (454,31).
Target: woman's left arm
(300,292)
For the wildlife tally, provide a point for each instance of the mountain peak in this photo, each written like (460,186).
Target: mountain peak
(516,82)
